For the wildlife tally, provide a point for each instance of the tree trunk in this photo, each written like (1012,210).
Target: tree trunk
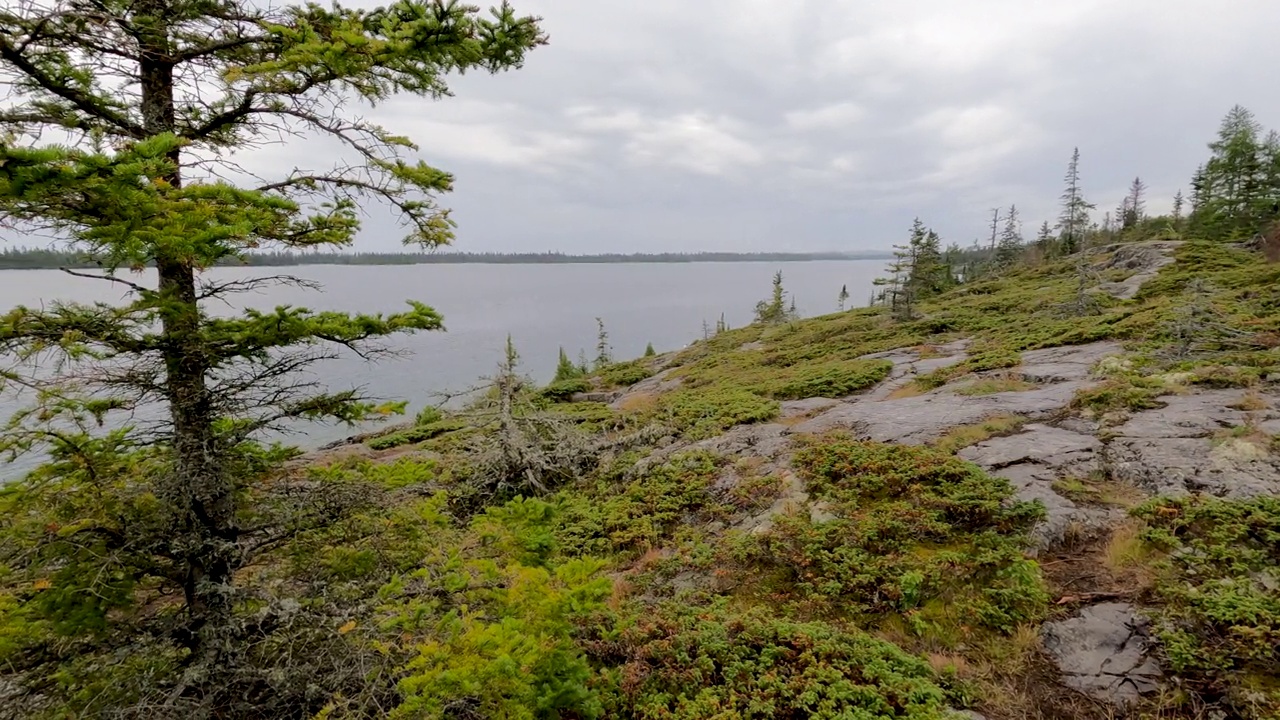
(198,489)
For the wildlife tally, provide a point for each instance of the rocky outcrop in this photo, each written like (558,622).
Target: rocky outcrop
(1143,260)
(1104,652)
(1198,442)
(1032,461)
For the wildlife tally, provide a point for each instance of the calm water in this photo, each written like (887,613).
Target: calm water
(543,307)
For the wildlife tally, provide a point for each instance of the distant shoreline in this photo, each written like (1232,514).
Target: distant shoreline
(52,260)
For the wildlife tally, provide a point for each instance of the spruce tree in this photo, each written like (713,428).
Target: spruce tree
(1178,203)
(775,309)
(843,297)
(1135,204)
(1009,249)
(565,369)
(649,351)
(1237,191)
(120,121)
(604,353)
(1073,222)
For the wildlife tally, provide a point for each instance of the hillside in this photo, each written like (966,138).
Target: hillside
(1013,505)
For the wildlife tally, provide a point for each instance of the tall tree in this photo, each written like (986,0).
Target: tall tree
(1178,203)
(1135,204)
(1073,222)
(121,121)
(1237,190)
(843,297)
(775,309)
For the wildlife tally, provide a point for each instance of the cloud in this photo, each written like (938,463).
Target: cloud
(693,141)
(819,124)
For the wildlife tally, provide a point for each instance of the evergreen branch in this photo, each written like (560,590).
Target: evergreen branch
(136,287)
(82,100)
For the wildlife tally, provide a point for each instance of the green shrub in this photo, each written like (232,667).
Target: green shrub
(623,374)
(689,663)
(833,379)
(562,390)
(428,415)
(1220,618)
(705,413)
(1224,376)
(916,531)
(630,516)
(416,434)
(1120,393)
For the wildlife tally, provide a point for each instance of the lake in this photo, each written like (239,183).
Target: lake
(542,307)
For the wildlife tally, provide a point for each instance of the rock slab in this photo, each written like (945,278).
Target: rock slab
(1104,653)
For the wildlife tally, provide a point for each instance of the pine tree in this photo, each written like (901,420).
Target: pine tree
(1009,249)
(120,119)
(649,351)
(1073,223)
(1178,202)
(843,297)
(721,325)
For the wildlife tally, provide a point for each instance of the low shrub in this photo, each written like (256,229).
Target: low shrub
(915,531)
(1219,621)
(688,663)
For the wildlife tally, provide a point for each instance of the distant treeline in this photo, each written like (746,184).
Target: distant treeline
(28,258)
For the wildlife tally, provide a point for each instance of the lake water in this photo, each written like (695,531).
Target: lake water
(542,307)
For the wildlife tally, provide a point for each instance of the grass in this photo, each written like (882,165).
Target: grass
(963,436)
(1099,491)
(994,385)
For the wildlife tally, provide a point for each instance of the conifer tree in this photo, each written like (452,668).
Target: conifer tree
(604,353)
(1044,237)
(775,309)
(1135,204)
(1009,249)
(1237,191)
(1073,222)
(120,120)
(565,369)
(1178,203)
(649,351)
(843,297)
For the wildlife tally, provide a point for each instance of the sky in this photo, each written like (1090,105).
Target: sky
(826,125)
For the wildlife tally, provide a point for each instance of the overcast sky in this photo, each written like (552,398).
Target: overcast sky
(808,125)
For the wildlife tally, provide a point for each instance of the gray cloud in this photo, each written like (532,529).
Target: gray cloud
(806,125)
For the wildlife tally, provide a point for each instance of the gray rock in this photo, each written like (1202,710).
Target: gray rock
(1144,259)
(1064,364)
(1032,482)
(1187,416)
(600,397)
(1041,444)
(806,407)
(1104,653)
(1177,466)
(650,386)
(917,420)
